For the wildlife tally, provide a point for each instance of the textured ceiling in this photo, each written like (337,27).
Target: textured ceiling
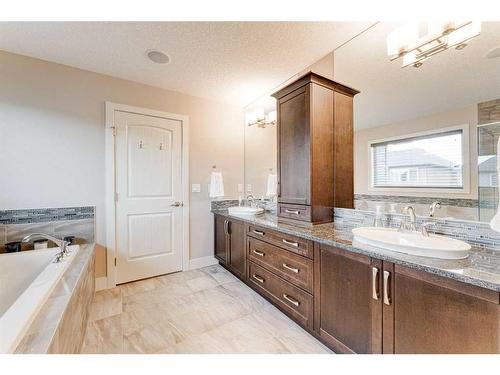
(390,94)
(230,61)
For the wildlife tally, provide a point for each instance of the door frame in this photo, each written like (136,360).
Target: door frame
(110,160)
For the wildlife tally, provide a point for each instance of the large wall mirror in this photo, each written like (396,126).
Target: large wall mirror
(423,133)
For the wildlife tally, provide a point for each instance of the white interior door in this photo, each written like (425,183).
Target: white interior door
(149,221)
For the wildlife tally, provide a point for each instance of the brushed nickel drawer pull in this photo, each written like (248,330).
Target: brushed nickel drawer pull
(290,243)
(375,294)
(295,212)
(387,298)
(258,232)
(258,278)
(258,253)
(296,270)
(291,300)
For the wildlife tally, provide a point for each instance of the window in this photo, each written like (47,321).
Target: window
(429,161)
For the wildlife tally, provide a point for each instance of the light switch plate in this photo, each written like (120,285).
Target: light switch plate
(195,188)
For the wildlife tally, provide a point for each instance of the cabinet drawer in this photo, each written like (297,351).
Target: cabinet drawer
(294,211)
(291,299)
(294,244)
(293,268)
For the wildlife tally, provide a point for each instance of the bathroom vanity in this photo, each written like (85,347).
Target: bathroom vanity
(362,299)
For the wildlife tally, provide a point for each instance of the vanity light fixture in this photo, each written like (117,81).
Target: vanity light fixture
(260,118)
(416,42)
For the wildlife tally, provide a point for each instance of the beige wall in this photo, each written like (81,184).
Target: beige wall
(52,140)
(460,116)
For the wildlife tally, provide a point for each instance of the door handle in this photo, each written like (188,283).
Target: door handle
(177,204)
(258,253)
(387,297)
(225,227)
(375,293)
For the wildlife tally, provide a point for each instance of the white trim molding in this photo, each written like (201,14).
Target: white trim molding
(110,109)
(202,262)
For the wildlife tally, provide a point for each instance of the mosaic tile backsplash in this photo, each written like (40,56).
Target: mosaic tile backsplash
(58,222)
(471,231)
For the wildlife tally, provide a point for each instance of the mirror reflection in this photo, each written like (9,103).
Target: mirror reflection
(426,122)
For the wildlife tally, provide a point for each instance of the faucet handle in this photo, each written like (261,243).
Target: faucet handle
(425,225)
(432,208)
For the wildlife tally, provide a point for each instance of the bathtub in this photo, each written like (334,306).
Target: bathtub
(26,280)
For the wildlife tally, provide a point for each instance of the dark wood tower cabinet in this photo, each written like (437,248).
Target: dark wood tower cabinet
(365,305)
(229,246)
(315,149)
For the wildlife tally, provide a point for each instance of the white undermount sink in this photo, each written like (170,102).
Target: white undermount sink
(245,211)
(413,243)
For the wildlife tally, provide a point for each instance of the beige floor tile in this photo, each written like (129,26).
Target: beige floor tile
(201,283)
(104,336)
(199,311)
(106,303)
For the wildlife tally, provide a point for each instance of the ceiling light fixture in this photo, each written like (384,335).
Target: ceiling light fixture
(416,42)
(157,56)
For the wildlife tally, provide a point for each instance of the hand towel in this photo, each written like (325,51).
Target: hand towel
(272,185)
(216,185)
(495,222)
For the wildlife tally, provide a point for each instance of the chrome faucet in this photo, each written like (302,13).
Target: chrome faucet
(432,209)
(250,199)
(412,226)
(63,245)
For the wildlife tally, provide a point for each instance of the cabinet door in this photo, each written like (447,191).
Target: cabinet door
(437,315)
(237,253)
(293,147)
(220,239)
(350,309)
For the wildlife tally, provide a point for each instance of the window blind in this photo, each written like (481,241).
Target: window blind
(430,161)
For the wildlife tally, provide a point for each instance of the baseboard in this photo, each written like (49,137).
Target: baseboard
(101,283)
(202,262)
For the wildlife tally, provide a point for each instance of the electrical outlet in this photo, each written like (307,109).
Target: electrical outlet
(195,188)
(249,188)
(240,188)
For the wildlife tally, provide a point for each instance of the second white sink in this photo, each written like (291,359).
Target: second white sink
(246,211)
(414,243)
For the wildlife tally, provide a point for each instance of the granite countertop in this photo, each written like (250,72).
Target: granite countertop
(481,268)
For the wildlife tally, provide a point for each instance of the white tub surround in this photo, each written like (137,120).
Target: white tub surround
(27,280)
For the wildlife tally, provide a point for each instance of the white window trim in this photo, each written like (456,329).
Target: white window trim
(402,190)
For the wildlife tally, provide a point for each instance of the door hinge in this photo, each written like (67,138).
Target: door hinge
(116,197)
(113,129)
(115,262)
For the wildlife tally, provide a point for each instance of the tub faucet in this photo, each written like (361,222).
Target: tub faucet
(63,245)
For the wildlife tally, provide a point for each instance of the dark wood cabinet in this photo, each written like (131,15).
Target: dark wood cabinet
(432,314)
(229,244)
(347,317)
(365,305)
(315,151)
(237,253)
(220,239)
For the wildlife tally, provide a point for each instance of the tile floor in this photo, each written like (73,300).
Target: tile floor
(200,311)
